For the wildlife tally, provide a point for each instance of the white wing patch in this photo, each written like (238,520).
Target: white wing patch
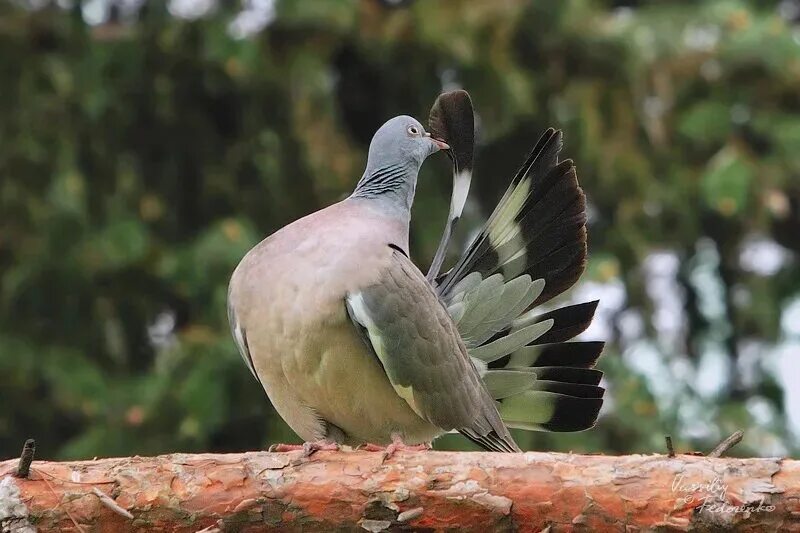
(360,313)
(240,338)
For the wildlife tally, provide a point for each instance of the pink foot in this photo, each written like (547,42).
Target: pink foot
(369,447)
(285,447)
(397,445)
(401,446)
(308,448)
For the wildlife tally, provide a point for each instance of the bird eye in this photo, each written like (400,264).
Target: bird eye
(413,130)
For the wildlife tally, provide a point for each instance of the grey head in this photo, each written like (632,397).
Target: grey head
(396,153)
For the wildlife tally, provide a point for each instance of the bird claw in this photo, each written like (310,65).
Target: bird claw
(369,447)
(308,448)
(400,446)
(284,448)
(397,445)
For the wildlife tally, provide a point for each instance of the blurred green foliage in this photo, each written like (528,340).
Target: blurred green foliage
(141,157)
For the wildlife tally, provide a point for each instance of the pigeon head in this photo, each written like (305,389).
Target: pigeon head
(400,141)
(396,153)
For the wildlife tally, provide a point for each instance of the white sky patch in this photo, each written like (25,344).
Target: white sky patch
(191,9)
(661,269)
(631,326)
(256,16)
(752,353)
(789,9)
(712,373)
(790,319)
(697,420)
(762,256)
(161,331)
(448,77)
(714,366)
(705,278)
(784,363)
(609,405)
(785,368)
(761,410)
(646,360)
(621,17)
(702,38)
(612,296)
(682,369)
(95,12)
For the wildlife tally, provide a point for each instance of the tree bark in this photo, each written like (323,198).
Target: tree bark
(355,490)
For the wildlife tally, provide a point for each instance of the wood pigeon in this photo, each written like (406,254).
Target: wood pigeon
(353,344)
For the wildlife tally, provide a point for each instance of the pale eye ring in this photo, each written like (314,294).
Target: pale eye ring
(413,131)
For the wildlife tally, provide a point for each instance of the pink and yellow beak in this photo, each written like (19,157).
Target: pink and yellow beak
(440,144)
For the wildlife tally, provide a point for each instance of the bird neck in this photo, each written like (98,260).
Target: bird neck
(391,186)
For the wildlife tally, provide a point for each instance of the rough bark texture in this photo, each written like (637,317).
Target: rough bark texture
(345,491)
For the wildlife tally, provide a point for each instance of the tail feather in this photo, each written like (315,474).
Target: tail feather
(511,342)
(542,212)
(568,322)
(539,410)
(570,354)
(578,390)
(531,249)
(504,383)
(548,221)
(566,374)
(452,118)
(544,398)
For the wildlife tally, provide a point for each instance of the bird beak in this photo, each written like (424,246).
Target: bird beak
(441,145)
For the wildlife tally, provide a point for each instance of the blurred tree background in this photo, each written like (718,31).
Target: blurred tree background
(145,146)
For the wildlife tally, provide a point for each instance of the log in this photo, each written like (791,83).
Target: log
(410,491)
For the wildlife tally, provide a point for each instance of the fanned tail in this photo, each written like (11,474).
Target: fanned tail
(531,249)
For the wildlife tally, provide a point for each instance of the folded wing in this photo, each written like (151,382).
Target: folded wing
(405,325)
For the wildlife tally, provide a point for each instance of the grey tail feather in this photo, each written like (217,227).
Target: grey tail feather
(568,322)
(568,413)
(562,399)
(492,441)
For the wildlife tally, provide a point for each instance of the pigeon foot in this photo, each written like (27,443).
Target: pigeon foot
(309,448)
(397,445)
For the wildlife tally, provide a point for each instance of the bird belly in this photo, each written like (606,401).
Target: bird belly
(346,385)
(315,368)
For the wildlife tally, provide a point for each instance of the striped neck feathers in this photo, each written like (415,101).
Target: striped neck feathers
(393,184)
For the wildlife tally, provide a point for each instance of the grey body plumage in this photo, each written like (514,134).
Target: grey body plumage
(353,344)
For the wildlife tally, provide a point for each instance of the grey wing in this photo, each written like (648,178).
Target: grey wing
(412,335)
(240,337)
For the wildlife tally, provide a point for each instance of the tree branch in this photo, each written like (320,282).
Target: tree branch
(354,490)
